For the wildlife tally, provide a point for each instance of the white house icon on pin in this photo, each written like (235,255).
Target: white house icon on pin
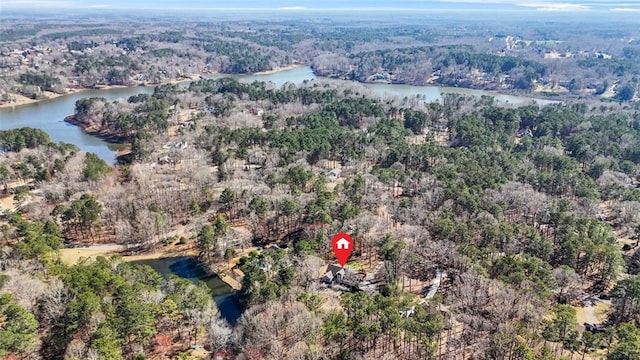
(342,244)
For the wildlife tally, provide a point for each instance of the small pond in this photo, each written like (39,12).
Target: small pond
(192,269)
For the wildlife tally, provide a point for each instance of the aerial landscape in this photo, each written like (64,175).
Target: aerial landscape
(447,179)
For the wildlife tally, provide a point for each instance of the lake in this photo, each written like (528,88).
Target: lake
(49,115)
(191,268)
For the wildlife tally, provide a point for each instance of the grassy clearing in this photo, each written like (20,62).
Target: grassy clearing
(73,256)
(355,265)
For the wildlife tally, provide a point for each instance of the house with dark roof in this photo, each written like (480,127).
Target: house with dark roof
(347,277)
(334,275)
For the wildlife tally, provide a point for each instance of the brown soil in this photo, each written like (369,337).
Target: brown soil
(278,69)
(20,100)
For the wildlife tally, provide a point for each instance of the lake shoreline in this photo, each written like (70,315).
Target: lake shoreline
(278,69)
(23,100)
(113,149)
(110,138)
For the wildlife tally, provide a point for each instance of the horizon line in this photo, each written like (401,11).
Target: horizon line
(101,7)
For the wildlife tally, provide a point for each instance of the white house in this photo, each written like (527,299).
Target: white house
(334,174)
(407,312)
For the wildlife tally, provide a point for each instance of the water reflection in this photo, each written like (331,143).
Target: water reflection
(192,269)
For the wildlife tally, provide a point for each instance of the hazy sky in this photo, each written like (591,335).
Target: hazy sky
(306,5)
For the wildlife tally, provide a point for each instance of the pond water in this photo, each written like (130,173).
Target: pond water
(49,115)
(191,268)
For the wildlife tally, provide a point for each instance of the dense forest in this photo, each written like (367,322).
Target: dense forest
(591,59)
(526,217)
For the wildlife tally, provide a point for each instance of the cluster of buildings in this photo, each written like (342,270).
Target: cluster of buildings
(32,57)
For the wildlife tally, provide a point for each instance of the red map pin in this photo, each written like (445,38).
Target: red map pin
(342,247)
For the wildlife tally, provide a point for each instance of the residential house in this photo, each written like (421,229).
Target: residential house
(334,174)
(344,278)
(334,275)
(408,311)
(524,132)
